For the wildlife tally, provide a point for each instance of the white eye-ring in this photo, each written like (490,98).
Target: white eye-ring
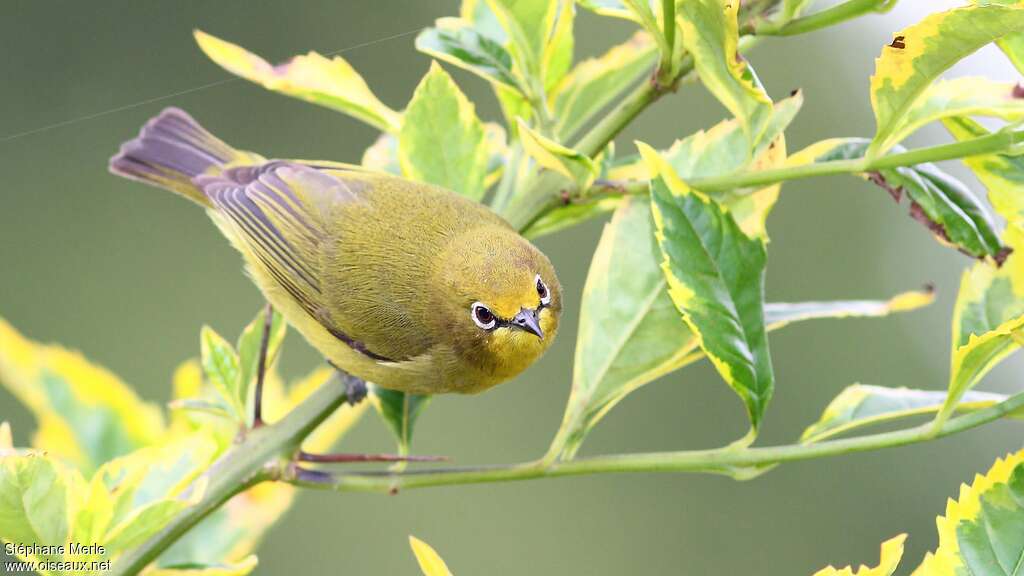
(542,291)
(482,316)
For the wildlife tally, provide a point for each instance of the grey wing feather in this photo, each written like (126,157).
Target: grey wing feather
(279,210)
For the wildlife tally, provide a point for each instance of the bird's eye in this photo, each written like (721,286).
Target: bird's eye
(542,291)
(483,316)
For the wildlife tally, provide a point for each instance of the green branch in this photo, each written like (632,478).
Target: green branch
(729,460)
(990,144)
(251,461)
(830,17)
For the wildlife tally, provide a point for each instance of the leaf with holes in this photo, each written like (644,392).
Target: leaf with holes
(923,51)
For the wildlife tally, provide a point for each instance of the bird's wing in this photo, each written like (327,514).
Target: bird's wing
(278,212)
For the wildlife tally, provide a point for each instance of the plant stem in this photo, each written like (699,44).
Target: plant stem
(992,143)
(240,467)
(524,208)
(668,28)
(727,460)
(823,19)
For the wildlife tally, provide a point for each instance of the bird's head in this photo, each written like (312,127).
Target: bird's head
(500,298)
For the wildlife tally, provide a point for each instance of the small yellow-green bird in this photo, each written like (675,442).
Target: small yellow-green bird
(403,284)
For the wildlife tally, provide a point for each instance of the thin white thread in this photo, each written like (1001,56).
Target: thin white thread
(9,137)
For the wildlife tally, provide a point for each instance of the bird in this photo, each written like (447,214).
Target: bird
(407,285)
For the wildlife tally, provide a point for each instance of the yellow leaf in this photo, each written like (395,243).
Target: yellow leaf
(892,552)
(85,413)
(329,82)
(551,155)
(430,562)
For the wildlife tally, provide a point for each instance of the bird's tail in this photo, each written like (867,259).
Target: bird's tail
(171,150)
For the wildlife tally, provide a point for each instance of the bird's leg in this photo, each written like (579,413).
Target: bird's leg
(261,368)
(355,391)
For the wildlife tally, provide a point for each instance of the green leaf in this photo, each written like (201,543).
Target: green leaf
(37,498)
(442,140)
(921,52)
(86,414)
(220,363)
(793,8)
(148,484)
(1012,44)
(779,314)
(938,201)
(862,405)
(1002,174)
(595,83)
(513,106)
(630,333)
(574,165)
(557,55)
(528,24)
(249,344)
(382,155)
(988,320)
(233,531)
(329,82)
(459,42)
(710,34)
(715,277)
(959,97)
(724,149)
(399,411)
(650,20)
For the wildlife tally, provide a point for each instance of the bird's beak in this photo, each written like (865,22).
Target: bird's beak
(526,319)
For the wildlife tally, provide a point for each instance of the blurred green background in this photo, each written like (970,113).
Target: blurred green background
(128,274)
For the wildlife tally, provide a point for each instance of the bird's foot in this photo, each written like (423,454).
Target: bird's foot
(355,388)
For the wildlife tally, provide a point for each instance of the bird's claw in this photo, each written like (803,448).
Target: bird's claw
(355,389)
